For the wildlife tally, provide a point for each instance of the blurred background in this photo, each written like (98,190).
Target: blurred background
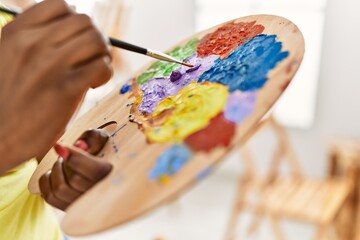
(321,104)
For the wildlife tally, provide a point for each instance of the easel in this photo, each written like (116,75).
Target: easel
(293,196)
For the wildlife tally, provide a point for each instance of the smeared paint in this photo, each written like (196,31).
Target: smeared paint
(218,133)
(118,130)
(239,105)
(204,173)
(132,155)
(227,38)
(163,69)
(115,147)
(247,67)
(169,163)
(156,90)
(192,108)
(117,179)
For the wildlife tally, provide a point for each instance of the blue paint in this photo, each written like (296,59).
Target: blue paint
(204,173)
(125,88)
(247,67)
(170,162)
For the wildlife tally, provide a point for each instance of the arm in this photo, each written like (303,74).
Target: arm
(49,58)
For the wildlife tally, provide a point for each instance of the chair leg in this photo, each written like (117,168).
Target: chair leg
(276,228)
(321,233)
(243,187)
(254,225)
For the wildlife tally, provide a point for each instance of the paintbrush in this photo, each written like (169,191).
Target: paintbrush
(127,46)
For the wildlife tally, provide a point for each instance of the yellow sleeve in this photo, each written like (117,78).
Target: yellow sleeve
(23,215)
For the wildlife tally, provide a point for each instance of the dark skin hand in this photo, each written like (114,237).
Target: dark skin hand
(50,56)
(76,170)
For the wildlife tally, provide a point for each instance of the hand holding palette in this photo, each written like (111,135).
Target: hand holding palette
(171,124)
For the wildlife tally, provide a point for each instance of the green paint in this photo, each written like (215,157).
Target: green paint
(162,69)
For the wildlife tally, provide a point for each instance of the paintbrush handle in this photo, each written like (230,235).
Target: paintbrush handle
(127,46)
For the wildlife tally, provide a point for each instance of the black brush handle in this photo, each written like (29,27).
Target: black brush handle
(127,46)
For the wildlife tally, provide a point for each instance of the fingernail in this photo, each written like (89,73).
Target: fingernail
(62,151)
(82,145)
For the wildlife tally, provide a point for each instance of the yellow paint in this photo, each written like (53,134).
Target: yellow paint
(192,109)
(164,179)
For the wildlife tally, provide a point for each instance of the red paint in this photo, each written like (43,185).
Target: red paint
(285,85)
(227,38)
(62,151)
(219,132)
(82,145)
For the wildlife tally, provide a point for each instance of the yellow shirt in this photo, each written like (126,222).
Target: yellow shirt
(23,215)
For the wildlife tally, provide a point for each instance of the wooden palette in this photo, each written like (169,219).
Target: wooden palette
(129,191)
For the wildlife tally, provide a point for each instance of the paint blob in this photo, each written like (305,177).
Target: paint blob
(156,90)
(227,38)
(125,88)
(162,69)
(247,67)
(170,162)
(218,133)
(191,110)
(239,105)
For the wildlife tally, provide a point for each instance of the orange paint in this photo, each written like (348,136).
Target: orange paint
(227,38)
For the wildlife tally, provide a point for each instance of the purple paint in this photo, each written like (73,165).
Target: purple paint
(239,105)
(157,89)
(175,75)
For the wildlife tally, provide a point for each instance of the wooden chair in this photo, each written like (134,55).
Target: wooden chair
(344,155)
(291,195)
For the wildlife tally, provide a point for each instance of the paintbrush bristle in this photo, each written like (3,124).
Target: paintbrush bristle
(187,64)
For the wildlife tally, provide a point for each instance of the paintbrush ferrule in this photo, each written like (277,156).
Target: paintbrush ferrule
(165,57)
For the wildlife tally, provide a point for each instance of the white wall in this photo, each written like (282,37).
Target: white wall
(151,24)
(338,110)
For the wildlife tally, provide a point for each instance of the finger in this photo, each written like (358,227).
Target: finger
(44,12)
(46,192)
(92,74)
(87,165)
(92,140)
(60,186)
(69,27)
(76,181)
(85,47)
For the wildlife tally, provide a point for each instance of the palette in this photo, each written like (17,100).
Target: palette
(170,125)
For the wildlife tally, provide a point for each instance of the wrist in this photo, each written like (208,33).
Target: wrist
(8,155)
